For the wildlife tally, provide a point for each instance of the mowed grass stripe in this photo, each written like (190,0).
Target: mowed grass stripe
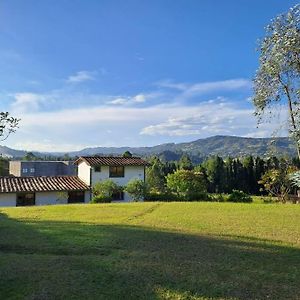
(150,251)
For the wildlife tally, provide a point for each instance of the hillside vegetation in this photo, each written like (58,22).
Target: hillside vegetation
(150,251)
(216,145)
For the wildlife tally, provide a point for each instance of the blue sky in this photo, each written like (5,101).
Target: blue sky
(130,73)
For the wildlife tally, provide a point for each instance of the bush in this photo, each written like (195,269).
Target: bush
(239,196)
(137,189)
(187,185)
(101,199)
(218,197)
(165,197)
(198,196)
(171,197)
(103,191)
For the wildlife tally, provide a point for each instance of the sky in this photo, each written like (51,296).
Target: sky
(130,73)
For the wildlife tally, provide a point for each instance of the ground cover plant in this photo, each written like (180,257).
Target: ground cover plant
(194,250)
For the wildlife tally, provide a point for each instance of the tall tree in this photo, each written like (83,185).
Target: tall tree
(185,163)
(278,78)
(155,176)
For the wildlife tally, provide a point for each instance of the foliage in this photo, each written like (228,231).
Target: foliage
(218,197)
(155,176)
(295,179)
(4,167)
(103,191)
(8,125)
(29,156)
(101,199)
(278,76)
(164,197)
(215,173)
(277,182)
(127,154)
(185,163)
(137,189)
(239,196)
(186,184)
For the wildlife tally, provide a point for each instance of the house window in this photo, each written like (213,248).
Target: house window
(25,170)
(32,170)
(76,197)
(118,195)
(97,168)
(116,171)
(25,199)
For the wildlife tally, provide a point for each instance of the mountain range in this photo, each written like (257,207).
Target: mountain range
(216,145)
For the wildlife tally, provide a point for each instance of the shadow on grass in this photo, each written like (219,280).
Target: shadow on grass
(59,260)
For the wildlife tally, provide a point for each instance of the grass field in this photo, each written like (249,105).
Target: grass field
(151,251)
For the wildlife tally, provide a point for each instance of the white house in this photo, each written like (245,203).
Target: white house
(92,169)
(46,190)
(43,190)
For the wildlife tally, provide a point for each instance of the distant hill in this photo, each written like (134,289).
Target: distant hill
(217,145)
(8,152)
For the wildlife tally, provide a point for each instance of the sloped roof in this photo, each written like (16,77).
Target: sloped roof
(41,184)
(112,161)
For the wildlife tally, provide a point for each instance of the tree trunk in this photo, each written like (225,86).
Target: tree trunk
(290,105)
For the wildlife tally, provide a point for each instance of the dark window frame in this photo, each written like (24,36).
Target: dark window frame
(22,200)
(118,196)
(97,169)
(73,198)
(116,171)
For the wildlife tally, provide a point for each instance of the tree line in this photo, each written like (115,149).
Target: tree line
(221,175)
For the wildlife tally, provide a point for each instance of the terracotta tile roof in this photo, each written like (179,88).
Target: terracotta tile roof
(112,161)
(41,184)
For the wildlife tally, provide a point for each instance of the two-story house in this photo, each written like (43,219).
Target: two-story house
(47,190)
(92,169)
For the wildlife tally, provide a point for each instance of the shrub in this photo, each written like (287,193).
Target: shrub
(165,197)
(218,197)
(198,196)
(101,199)
(239,196)
(137,189)
(103,191)
(187,185)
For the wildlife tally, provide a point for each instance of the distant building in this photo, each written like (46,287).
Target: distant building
(42,183)
(25,191)
(42,168)
(93,169)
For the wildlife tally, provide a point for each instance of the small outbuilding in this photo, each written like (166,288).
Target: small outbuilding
(44,190)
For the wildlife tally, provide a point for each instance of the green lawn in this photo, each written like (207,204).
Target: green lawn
(151,251)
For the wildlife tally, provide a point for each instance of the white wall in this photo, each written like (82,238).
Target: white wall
(87,196)
(15,168)
(49,198)
(84,172)
(41,198)
(8,199)
(130,172)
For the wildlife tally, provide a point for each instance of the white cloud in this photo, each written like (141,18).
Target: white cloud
(95,119)
(118,101)
(190,90)
(24,102)
(48,146)
(81,76)
(210,119)
(140,98)
(105,125)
